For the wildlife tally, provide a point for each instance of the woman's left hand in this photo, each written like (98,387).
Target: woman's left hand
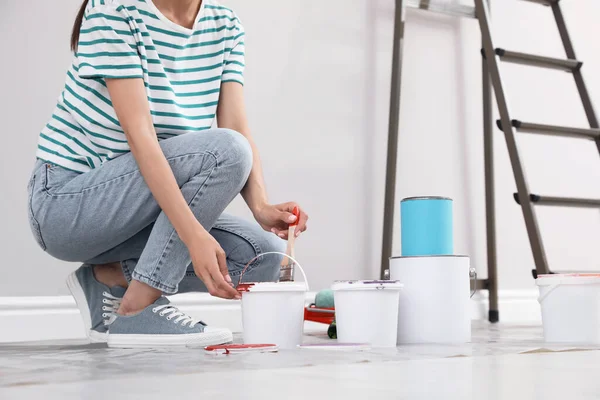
(277,218)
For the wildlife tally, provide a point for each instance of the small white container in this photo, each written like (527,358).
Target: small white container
(273,312)
(434,304)
(367,312)
(570,307)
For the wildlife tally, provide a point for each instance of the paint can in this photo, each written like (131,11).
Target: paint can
(367,312)
(434,305)
(426,226)
(273,312)
(570,307)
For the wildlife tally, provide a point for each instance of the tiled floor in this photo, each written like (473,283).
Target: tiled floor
(503,362)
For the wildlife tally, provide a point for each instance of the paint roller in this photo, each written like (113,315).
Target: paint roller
(323,311)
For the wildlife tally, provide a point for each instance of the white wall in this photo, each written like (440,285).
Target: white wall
(34,40)
(318,93)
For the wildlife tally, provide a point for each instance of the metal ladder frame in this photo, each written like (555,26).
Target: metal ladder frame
(491,283)
(524,197)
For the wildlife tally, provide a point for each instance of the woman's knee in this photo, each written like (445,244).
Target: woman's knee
(232,151)
(235,154)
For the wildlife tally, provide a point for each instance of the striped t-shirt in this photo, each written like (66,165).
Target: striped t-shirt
(182,70)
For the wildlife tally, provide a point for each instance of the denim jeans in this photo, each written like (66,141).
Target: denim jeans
(109,214)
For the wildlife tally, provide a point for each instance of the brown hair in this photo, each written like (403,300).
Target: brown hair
(77,25)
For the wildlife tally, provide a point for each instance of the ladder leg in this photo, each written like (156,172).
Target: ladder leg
(392,146)
(490,204)
(535,241)
(577,75)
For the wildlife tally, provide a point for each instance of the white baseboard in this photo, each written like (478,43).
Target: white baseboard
(515,306)
(24,319)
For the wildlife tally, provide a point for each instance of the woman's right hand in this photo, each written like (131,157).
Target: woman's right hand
(209,261)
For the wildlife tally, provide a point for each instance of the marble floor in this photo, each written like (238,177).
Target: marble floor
(502,362)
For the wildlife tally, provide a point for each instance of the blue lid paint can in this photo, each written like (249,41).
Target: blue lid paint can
(426,226)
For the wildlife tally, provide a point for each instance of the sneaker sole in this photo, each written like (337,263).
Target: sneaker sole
(130,341)
(77,292)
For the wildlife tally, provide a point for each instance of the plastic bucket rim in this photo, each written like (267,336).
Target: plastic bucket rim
(432,256)
(567,279)
(366,285)
(272,287)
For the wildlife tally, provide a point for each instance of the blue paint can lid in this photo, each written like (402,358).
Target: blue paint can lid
(426,198)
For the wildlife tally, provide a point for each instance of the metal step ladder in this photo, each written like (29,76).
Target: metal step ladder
(489,284)
(572,65)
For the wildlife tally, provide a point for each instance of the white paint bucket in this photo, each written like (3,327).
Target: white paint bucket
(367,312)
(273,312)
(570,307)
(434,304)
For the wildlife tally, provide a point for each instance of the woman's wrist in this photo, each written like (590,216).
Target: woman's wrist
(257,207)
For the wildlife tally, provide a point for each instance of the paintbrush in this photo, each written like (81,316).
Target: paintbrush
(287,265)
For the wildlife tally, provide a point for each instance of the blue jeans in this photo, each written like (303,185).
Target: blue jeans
(109,214)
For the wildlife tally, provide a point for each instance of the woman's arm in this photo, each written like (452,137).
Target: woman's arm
(129,100)
(231,114)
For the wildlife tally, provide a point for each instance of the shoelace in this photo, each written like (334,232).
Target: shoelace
(112,304)
(172,312)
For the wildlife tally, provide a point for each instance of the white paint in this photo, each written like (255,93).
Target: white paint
(318,95)
(25,319)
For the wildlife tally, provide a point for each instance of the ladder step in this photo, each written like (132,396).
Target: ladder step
(538,61)
(553,130)
(543,2)
(560,201)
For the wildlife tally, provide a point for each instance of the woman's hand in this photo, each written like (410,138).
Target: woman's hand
(277,218)
(208,259)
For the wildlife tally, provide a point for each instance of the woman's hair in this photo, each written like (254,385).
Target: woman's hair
(77,25)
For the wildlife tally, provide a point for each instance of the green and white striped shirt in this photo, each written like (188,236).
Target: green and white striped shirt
(182,69)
